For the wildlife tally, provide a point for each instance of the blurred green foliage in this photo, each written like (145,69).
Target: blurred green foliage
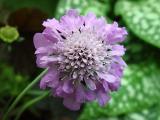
(138,98)
(12,83)
(152,113)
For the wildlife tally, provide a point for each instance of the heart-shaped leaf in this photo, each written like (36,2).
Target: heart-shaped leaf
(142,17)
(83,6)
(139,90)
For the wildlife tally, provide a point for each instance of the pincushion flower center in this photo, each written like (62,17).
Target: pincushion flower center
(84,53)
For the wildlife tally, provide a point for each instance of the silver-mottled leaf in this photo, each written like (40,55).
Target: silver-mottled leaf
(83,6)
(140,89)
(142,17)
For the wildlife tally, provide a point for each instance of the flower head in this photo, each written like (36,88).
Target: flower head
(83,58)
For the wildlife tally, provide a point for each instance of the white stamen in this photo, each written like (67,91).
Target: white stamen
(85,52)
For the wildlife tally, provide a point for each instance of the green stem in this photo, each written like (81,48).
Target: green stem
(30,103)
(23,93)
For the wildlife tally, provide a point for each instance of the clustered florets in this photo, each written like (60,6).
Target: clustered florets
(83,58)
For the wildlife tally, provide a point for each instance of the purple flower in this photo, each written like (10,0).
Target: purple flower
(83,57)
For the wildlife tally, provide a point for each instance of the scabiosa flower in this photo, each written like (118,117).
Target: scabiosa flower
(82,56)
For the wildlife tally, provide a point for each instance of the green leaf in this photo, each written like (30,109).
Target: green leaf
(152,113)
(142,17)
(139,90)
(9,34)
(147,114)
(83,6)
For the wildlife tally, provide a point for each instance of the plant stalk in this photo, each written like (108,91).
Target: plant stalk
(18,98)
